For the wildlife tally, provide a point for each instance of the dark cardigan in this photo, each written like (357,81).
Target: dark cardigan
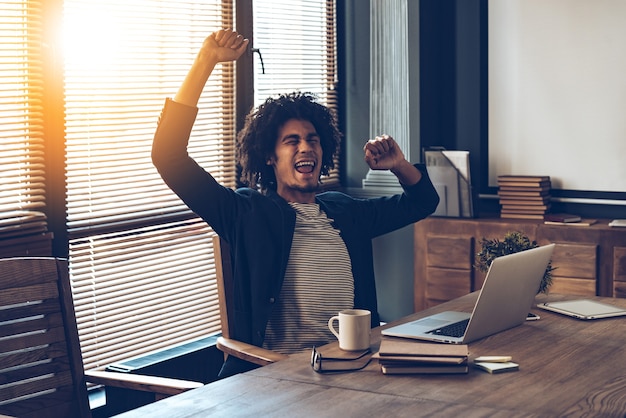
(259,227)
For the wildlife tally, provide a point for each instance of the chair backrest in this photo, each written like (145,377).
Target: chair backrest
(224,273)
(225,288)
(41,370)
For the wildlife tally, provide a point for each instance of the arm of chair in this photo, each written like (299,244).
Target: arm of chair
(248,352)
(160,386)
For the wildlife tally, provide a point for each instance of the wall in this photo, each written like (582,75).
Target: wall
(557,92)
(454,74)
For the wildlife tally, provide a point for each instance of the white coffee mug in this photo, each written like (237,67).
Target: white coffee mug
(354,329)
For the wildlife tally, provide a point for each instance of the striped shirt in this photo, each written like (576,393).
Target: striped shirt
(318,284)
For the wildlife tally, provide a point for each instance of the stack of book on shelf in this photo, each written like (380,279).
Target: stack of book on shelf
(567,219)
(397,356)
(524,197)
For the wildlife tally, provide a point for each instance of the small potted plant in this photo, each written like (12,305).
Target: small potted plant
(513,242)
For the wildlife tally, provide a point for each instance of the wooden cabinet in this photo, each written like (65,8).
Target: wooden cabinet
(588,260)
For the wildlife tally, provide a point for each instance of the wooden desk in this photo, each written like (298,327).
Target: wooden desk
(568,367)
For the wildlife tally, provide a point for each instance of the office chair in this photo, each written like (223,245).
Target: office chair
(41,369)
(244,351)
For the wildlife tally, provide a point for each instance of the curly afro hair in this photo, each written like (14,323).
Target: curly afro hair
(256,141)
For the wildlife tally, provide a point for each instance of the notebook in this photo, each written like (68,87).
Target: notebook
(507,295)
(584,309)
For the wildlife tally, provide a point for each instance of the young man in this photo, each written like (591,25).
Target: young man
(299,256)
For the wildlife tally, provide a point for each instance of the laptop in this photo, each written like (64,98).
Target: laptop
(584,309)
(506,297)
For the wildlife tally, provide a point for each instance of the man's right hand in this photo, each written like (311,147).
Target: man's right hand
(225,45)
(221,46)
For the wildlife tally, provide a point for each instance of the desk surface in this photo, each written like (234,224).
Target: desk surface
(568,367)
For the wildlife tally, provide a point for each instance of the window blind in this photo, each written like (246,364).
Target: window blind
(299,56)
(141,263)
(22,166)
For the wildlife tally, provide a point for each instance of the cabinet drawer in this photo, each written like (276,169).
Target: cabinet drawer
(575,261)
(573,286)
(449,252)
(619,272)
(446,284)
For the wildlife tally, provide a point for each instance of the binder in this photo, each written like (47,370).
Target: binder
(449,171)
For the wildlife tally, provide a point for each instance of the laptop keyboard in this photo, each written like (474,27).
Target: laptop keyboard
(453,330)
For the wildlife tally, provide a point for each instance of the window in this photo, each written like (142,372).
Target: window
(22,166)
(141,263)
(300,56)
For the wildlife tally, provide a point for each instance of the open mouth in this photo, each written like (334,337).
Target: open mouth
(305,167)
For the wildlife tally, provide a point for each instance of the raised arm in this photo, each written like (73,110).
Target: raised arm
(195,186)
(221,46)
(383,153)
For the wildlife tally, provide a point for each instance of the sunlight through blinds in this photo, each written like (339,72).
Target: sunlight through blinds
(22,165)
(141,263)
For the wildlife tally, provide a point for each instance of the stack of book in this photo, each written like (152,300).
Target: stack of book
(397,356)
(525,197)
